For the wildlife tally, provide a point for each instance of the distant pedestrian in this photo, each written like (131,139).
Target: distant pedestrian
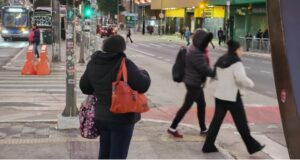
(248,41)
(115,129)
(220,36)
(128,36)
(196,72)
(266,39)
(231,80)
(259,36)
(187,35)
(182,31)
(36,40)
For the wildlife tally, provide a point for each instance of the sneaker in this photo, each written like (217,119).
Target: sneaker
(203,133)
(259,149)
(175,134)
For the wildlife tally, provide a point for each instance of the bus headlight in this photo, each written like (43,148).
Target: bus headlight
(25,32)
(4,31)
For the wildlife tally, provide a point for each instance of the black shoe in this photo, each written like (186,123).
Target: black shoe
(258,149)
(210,149)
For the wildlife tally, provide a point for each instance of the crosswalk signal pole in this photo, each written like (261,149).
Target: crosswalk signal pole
(70,109)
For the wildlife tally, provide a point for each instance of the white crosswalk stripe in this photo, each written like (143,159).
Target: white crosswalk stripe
(34,92)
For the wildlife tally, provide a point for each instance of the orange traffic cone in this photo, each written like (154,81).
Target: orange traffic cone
(43,67)
(29,66)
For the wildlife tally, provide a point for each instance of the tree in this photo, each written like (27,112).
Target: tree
(109,6)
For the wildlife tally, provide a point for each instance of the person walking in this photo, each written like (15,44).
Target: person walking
(36,40)
(182,31)
(196,71)
(231,80)
(115,129)
(220,36)
(187,35)
(248,41)
(128,36)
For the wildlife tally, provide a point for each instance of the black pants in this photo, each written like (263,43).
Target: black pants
(36,49)
(114,140)
(194,94)
(220,41)
(129,37)
(239,116)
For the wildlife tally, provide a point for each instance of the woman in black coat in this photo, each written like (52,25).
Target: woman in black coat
(115,129)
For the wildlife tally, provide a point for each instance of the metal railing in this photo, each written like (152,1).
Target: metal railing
(256,44)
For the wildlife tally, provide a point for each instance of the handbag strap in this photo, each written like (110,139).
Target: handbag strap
(123,71)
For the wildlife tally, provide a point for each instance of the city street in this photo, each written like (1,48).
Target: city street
(42,98)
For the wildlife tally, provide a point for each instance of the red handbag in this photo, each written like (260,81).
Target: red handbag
(124,98)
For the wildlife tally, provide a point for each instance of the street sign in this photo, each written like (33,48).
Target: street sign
(130,21)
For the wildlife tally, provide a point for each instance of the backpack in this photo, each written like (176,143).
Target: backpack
(179,66)
(31,36)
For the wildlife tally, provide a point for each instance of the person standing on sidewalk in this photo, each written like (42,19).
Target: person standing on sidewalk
(196,72)
(231,79)
(115,129)
(36,40)
(187,35)
(220,36)
(128,36)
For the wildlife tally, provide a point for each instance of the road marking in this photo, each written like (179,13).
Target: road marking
(145,53)
(267,72)
(155,45)
(160,57)
(144,45)
(168,60)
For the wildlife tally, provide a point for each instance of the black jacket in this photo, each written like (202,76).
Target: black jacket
(36,37)
(97,79)
(196,67)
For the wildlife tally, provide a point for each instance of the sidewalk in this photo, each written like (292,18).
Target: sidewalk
(31,131)
(44,141)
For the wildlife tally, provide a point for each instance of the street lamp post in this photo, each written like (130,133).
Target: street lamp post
(143,16)
(161,16)
(228,3)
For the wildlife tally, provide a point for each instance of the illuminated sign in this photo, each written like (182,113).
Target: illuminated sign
(17,10)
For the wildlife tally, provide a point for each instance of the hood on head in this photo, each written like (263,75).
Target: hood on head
(201,39)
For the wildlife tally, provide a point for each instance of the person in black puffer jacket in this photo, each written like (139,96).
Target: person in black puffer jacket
(196,72)
(115,129)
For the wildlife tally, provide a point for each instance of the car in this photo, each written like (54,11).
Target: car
(106,31)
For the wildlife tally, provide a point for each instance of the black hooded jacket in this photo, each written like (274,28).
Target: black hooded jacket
(227,60)
(97,79)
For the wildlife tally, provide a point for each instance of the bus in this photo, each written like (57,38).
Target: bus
(15,22)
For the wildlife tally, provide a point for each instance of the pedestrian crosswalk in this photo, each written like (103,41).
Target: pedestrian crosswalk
(45,92)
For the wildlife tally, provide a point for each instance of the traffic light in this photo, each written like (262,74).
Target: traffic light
(88,12)
(70,14)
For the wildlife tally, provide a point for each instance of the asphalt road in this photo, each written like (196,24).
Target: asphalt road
(259,69)
(8,49)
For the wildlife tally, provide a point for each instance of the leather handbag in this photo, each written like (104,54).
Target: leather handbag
(124,98)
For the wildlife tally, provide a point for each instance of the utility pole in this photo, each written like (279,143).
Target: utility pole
(69,118)
(56,30)
(228,3)
(143,12)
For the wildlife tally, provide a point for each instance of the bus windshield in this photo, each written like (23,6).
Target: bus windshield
(15,19)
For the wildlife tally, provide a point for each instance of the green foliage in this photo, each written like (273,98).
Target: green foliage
(109,6)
